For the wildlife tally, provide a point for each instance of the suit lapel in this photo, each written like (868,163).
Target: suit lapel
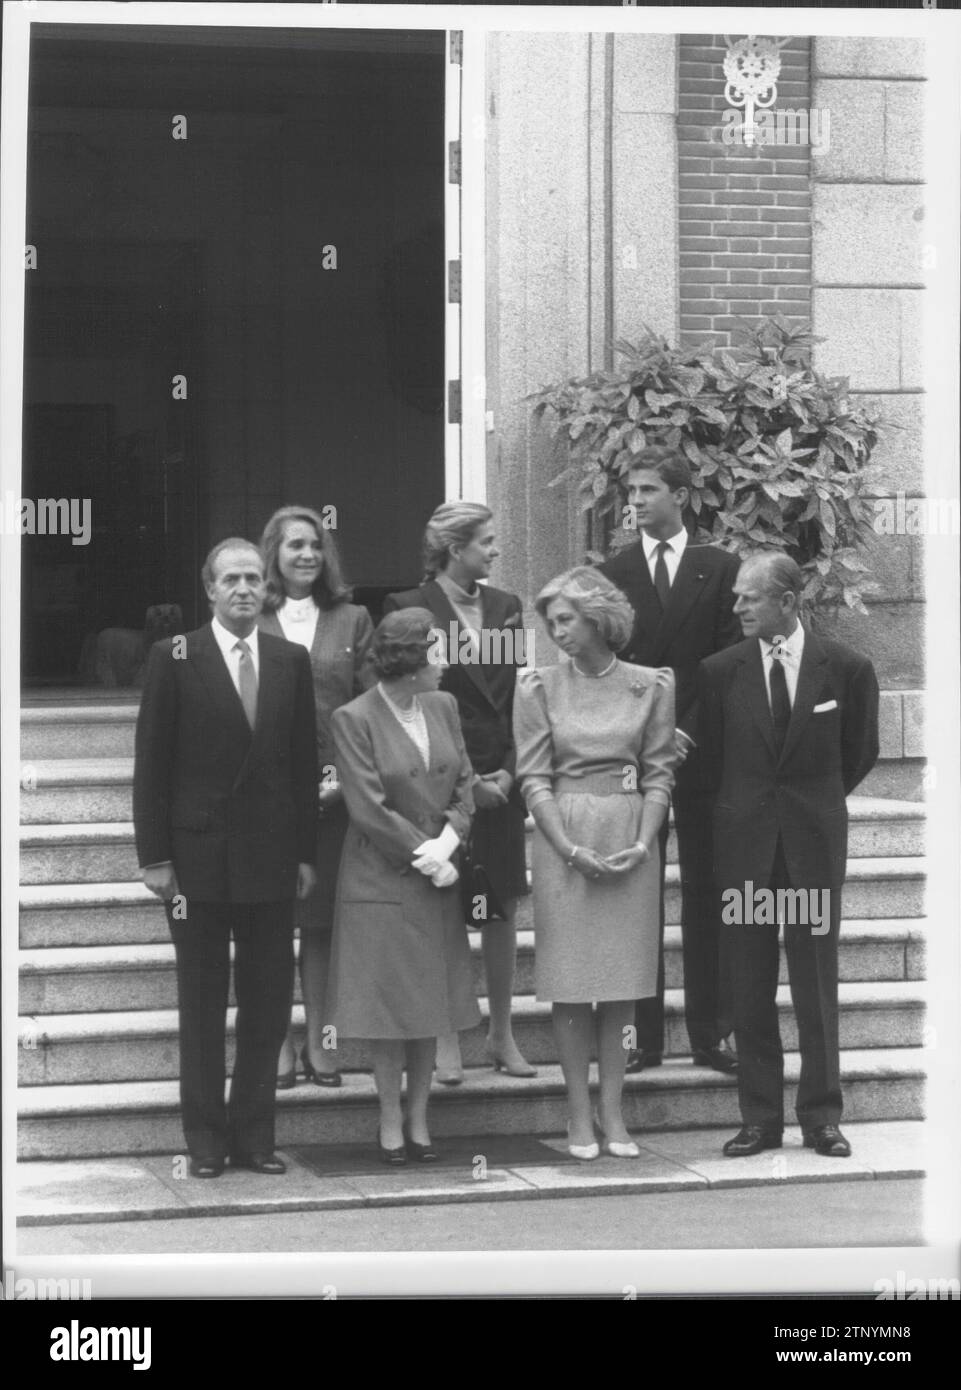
(754,689)
(212,669)
(685,591)
(443,610)
(810,682)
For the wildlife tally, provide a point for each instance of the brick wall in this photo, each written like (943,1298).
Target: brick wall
(744,212)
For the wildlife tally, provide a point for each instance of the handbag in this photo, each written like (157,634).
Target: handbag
(479,901)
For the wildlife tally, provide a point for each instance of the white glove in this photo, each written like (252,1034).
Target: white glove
(445,876)
(429,856)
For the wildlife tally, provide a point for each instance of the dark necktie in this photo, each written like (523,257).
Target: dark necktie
(780,701)
(662,583)
(248,683)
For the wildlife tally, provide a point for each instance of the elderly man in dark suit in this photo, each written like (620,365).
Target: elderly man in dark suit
(789,726)
(225,814)
(683,605)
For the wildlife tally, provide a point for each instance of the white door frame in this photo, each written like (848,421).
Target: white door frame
(465,463)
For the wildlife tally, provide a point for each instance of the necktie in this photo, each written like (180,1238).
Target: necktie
(248,683)
(662,583)
(780,701)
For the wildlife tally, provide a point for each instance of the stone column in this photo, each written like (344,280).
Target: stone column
(868,272)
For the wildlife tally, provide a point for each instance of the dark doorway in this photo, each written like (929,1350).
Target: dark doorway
(283,255)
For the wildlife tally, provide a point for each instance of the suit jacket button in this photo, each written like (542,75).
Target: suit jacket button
(442,767)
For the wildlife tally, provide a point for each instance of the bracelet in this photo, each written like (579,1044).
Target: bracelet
(570,858)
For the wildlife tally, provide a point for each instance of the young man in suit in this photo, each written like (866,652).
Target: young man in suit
(683,601)
(225,815)
(789,727)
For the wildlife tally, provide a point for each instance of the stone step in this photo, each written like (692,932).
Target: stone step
(64,792)
(94,730)
(92,979)
(71,1049)
(98,855)
(139,1117)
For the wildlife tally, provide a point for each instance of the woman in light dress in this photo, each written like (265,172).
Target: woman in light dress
(595,759)
(308,602)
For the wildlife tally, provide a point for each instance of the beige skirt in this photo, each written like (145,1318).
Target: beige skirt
(595,941)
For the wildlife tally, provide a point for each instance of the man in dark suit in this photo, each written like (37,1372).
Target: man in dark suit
(684,611)
(225,814)
(789,727)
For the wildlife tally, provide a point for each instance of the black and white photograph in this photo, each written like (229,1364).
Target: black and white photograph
(480,537)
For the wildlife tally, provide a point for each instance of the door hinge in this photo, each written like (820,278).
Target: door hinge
(453,402)
(453,163)
(457,46)
(453,282)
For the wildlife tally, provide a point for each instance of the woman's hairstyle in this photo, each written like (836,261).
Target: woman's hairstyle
(401,642)
(330,588)
(594,597)
(452,523)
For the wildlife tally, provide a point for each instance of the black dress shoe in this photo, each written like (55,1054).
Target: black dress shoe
(827,1140)
(206,1167)
(286,1080)
(266,1163)
(751,1139)
(641,1060)
(720,1057)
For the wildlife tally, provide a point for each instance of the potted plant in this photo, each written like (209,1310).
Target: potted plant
(777,452)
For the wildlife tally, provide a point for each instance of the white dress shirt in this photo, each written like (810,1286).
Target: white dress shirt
(672,556)
(227,642)
(791,650)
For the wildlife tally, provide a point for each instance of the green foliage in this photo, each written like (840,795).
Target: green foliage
(777,452)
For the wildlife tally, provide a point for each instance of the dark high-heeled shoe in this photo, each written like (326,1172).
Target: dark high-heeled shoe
(394,1157)
(420,1153)
(319,1078)
(287,1080)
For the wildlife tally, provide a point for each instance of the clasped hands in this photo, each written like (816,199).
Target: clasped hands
(592,865)
(432,858)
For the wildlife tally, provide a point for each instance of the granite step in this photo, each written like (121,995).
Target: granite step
(142,1117)
(80,1048)
(82,979)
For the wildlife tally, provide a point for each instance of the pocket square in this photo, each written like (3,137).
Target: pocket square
(822,709)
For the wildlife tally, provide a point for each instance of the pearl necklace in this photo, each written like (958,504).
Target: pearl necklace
(406,716)
(596,675)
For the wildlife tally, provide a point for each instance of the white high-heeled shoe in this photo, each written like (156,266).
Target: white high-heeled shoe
(617,1148)
(585,1152)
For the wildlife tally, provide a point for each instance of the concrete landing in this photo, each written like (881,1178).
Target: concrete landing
(472,1169)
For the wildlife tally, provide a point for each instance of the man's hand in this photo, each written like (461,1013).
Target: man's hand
(306,880)
(161,880)
(489,793)
(626,859)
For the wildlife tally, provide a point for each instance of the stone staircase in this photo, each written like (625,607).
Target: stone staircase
(98,1027)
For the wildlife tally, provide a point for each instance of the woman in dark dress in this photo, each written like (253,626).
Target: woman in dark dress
(485,645)
(307,602)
